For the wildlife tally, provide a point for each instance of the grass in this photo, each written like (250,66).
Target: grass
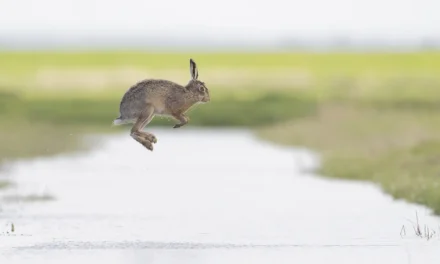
(225,111)
(327,75)
(397,149)
(372,116)
(22,138)
(35,126)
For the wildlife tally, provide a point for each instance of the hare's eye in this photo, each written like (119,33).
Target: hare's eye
(202,89)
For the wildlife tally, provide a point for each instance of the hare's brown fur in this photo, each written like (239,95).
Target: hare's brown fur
(153,97)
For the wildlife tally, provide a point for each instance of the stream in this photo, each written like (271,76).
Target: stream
(202,196)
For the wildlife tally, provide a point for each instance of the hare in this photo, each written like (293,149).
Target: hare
(151,97)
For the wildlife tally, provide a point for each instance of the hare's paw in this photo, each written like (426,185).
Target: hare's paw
(143,138)
(183,120)
(147,144)
(152,138)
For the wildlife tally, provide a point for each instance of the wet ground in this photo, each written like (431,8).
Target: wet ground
(208,196)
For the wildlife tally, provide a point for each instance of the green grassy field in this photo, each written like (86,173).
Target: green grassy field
(372,116)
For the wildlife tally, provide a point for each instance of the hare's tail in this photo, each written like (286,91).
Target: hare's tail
(119,121)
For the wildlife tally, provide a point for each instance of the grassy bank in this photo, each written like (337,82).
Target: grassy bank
(372,117)
(397,149)
(225,110)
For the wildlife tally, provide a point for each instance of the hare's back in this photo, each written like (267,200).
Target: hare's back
(133,101)
(149,91)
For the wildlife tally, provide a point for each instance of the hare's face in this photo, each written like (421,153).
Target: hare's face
(199,90)
(203,92)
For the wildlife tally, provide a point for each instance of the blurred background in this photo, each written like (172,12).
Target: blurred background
(356,81)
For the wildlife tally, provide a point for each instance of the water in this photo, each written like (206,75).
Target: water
(203,196)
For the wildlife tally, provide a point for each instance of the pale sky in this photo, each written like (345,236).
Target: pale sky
(236,20)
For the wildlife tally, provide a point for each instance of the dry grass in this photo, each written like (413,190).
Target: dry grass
(428,233)
(120,78)
(9,229)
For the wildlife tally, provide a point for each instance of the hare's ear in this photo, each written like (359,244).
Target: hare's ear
(193,69)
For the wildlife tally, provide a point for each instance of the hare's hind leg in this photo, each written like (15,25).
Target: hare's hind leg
(146,139)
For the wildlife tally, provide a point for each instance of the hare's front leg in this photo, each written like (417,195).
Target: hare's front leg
(182,118)
(146,139)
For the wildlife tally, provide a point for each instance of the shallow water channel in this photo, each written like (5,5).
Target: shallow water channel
(202,196)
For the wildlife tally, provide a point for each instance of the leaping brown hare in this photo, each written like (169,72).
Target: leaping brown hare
(151,97)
